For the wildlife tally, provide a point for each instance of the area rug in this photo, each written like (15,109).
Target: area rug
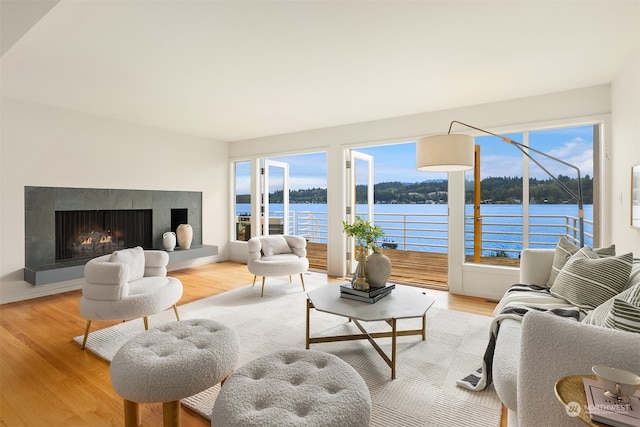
(424,392)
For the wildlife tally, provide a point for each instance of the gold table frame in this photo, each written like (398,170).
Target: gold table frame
(394,333)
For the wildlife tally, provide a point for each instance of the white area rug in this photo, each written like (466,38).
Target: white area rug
(425,391)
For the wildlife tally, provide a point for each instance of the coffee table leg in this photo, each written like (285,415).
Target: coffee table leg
(424,326)
(393,348)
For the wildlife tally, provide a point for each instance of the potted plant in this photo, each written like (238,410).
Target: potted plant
(365,233)
(374,270)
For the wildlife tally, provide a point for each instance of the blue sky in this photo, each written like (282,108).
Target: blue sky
(397,162)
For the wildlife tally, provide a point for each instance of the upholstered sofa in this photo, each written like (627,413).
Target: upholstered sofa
(531,354)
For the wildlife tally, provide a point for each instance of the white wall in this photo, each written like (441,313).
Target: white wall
(43,146)
(499,116)
(624,153)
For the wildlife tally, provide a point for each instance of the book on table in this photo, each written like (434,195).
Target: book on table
(372,292)
(370,300)
(610,411)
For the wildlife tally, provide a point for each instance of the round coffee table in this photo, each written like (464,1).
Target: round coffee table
(403,302)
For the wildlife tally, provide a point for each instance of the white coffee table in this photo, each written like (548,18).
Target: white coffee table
(403,302)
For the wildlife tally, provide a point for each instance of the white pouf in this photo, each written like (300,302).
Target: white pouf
(171,362)
(293,388)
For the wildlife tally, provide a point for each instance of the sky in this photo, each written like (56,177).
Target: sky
(396,162)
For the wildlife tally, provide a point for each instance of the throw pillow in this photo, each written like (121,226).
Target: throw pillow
(564,250)
(623,316)
(600,313)
(274,245)
(134,257)
(587,280)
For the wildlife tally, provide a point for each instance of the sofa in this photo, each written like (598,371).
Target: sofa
(534,352)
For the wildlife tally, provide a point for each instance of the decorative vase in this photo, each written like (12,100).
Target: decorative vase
(169,241)
(378,269)
(360,283)
(185,235)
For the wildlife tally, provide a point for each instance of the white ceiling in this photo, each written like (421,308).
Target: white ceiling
(233,70)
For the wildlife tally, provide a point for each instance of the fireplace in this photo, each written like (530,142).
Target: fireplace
(100,221)
(90,233)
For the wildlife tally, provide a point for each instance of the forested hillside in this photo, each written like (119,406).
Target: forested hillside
(493,190)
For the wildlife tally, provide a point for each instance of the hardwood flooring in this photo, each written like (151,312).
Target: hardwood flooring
(46,380)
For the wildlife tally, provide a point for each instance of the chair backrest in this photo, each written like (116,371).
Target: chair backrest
(276,244)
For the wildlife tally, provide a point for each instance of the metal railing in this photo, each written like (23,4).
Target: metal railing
(505,235)
(502,235)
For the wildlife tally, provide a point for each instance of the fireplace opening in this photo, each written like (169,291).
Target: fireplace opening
(88,234)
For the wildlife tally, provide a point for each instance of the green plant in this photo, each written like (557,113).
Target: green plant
(365,233)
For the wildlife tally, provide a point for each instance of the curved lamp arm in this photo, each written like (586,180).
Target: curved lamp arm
(525,150)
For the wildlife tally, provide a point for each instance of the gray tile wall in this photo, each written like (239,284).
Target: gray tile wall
(42,202)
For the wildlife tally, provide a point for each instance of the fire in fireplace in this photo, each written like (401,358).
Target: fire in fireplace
(87,234)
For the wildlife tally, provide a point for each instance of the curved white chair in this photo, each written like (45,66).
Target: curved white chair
(128,284)
(277,255)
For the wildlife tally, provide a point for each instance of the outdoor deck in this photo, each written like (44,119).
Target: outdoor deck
(412,267)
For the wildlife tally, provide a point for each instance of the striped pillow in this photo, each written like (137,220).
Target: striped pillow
(564,250)
(587,280)
(600,313)
(623,316)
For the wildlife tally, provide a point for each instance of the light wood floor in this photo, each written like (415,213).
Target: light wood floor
(46,380)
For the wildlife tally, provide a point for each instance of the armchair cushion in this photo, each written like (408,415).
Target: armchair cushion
(274,245)
(134,258)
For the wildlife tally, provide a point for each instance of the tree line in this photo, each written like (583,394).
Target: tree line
(500,190)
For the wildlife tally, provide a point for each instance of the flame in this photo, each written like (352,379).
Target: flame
(103,239)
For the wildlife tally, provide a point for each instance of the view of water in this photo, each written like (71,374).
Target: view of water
(423,227)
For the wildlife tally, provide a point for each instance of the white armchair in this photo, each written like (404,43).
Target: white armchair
(277,255)
(128,284)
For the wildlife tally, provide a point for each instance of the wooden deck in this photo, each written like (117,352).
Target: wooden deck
(426,269)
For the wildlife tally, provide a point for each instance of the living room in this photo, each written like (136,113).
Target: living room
(108,138)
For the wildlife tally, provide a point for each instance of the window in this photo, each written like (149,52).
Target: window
(520,204)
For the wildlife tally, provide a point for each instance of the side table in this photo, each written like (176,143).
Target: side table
(571,390)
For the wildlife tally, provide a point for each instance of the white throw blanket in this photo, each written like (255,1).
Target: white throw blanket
(512,307)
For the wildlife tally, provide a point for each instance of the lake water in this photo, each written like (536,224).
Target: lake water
(424,227)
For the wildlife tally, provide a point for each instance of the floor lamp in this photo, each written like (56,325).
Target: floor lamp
(454,152)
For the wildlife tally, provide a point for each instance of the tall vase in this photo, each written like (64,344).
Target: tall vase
(185,236)
(169,241)
(361,283)
(378,269)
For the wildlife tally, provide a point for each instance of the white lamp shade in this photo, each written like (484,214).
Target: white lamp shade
(444,153)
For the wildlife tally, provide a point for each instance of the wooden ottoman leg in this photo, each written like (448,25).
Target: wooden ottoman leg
(131,413)
(171,414)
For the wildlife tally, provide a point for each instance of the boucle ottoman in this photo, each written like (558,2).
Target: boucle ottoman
(171,362)
(293,388)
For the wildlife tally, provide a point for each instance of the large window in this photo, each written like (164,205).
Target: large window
(521,205)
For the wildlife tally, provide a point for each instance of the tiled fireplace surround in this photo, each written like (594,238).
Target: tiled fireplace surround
(41,203)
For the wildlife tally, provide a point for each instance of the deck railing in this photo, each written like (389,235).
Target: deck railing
(502,235)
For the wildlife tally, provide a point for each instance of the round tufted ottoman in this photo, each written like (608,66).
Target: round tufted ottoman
(170,362)
(293,388)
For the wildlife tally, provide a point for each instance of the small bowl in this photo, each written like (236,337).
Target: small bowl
(618,383)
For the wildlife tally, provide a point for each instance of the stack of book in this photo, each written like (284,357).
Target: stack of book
(370,296)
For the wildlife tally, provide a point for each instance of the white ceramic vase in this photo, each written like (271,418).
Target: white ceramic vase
(185,236)
(378,269)
(169,241)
